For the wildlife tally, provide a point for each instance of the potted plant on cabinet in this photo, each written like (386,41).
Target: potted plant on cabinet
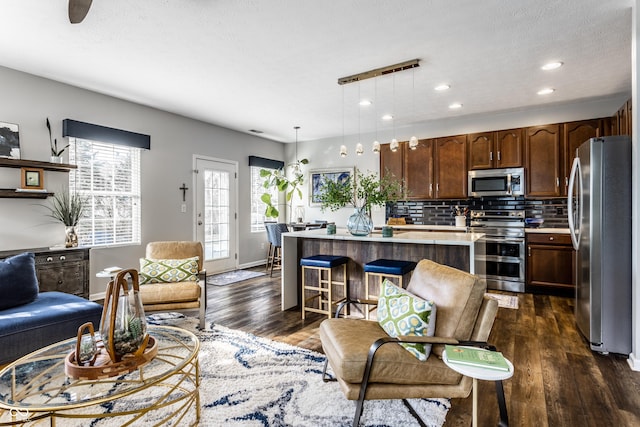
(68,210)
(363,190)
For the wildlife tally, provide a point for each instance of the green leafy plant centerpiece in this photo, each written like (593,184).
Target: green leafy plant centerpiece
(362,191)
(289,185)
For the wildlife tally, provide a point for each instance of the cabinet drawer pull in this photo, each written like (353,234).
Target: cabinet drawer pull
(551,238)
(49,259)
(62,257)
(491,155)
(499,156)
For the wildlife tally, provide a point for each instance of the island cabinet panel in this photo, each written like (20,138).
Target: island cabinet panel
(418,171)
(361,252)
(574,134)
(451,167)
(543,148)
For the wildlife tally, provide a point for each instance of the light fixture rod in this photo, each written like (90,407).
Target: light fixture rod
(389,69)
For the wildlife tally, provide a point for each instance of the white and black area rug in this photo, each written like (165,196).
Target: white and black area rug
(252,381)
(234,276)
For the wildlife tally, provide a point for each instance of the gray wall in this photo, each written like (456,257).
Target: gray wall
(28,100)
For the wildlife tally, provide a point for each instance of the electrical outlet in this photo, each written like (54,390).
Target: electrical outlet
(183,208)
(262,245)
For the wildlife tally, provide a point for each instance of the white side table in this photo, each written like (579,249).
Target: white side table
(486,374)
(109,273)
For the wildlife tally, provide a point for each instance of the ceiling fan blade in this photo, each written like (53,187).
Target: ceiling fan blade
(78,9)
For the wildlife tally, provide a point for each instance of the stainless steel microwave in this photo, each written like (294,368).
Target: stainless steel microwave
(496,182)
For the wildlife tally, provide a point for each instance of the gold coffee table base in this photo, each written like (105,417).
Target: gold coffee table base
(34,390)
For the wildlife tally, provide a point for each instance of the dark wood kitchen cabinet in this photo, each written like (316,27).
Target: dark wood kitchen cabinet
(501,149)
(63,270)
(574,134)
(418,171)
(436,169)
(551,263)
(543,146)
(392,162)
(450,167)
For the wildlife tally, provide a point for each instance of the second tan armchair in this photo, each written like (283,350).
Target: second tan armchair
(176,296)
(369,364)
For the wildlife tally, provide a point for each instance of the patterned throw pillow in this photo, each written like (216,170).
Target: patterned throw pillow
(401,313)
(168,270)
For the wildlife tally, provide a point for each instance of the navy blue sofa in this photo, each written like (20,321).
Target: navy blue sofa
(46,317)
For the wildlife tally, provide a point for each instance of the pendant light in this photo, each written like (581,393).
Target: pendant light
(413,141)
(359,148)
(376,143)
(394,145)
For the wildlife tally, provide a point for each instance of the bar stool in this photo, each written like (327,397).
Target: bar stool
(324,265)
(383,268)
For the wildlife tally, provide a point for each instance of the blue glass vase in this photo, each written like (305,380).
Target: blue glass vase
(359,224)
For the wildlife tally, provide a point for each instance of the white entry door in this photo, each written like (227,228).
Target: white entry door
(216,217)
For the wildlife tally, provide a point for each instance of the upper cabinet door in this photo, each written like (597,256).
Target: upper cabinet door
(392,163)
(418,171)
(543,161)
(481,146)
(575,133)
(509,148)
(451,167)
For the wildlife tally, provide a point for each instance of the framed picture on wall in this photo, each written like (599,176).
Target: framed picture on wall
(32,179)
(9,141)
(317,176)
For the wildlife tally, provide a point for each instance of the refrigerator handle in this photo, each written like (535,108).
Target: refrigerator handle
(575,233)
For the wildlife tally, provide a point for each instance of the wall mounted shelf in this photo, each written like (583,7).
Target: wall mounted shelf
(48,166)
(12,193)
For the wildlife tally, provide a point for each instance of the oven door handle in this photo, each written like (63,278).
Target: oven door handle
(504,240)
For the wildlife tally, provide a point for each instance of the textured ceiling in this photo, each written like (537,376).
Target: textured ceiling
(270,65)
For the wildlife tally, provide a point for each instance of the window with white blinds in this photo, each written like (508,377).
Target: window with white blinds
(257,206)
(108,178)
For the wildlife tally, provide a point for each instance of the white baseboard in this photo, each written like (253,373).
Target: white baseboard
(97,296)
(253,264)
(634,362)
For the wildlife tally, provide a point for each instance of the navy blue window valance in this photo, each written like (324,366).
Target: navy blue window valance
(265,163)
(93,132)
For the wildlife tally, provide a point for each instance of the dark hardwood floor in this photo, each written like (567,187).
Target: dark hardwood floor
(558,381)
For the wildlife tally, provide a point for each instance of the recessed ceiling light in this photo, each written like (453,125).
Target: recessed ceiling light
(455,106)
(442,87)
(387,117)
(546,91)
(365,102)
(551,65)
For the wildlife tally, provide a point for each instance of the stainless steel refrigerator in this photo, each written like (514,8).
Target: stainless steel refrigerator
(599,209)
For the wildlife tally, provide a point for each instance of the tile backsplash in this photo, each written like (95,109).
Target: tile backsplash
(439,212)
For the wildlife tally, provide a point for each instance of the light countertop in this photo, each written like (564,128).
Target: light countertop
(399,236)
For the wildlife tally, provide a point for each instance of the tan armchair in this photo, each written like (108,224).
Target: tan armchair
(368,369)
(176,296)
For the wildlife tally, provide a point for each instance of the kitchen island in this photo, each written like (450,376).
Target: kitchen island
(450,248)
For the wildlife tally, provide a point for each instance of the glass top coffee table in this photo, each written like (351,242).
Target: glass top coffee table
(163,391)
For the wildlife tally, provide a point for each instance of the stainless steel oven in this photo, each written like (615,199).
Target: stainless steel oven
(503,261)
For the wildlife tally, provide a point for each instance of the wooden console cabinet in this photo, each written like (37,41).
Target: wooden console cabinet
(63,270)
(551,263)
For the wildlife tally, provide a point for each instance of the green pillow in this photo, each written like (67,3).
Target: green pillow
(401,313)
(168,270)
